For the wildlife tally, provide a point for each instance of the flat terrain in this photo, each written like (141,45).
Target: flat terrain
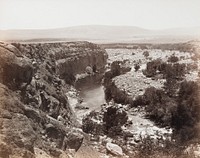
(102,34)
(135,83)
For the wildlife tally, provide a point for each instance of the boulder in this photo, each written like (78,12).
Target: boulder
(14,71)
(88,70)
(39,153)
(11,48)
(54,131)
(73,141)
(114,149)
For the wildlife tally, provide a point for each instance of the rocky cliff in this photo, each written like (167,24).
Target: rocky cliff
(35,114)
(68,58)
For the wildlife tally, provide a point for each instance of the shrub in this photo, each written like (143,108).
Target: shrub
(181,111)
(109,121)
(115,68)
(173,59)
(148,148)
(186,119)
(159,106)
(174,71)
(146,54)
(113,118)
(89,125)
(171,87)
(136,67)
(152,68)
(188,105)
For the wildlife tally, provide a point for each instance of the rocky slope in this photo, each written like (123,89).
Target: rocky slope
(36,119)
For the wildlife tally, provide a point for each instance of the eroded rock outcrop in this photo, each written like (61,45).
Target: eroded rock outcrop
(34,80)
(17,134)
(69,58)
(14,70)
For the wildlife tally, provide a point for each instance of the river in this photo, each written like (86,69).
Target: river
(93,97)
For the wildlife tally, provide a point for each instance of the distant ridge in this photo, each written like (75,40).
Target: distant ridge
(101,34)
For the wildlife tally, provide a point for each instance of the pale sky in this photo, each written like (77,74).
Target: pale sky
(150,14)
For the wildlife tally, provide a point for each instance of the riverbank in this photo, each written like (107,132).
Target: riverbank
(127,89)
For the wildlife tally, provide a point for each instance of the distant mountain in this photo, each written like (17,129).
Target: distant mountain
(101,34)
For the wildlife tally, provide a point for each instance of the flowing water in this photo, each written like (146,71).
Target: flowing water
(92,95)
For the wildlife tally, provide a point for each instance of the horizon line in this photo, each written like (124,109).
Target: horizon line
(54,28)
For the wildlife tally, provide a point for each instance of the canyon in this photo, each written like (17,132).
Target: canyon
(65,100)
(35,111)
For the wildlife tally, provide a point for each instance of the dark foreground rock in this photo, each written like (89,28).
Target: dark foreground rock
(17,133)
(73,141)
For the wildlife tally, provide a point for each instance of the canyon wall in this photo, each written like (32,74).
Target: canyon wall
(35,114)
(69,58)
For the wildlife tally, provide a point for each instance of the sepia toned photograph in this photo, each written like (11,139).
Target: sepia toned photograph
(99,78)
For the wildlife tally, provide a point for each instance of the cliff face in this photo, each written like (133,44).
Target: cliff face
(34,111)
(69,58)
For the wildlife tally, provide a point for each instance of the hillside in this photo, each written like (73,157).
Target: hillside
(102,34)
(35,113)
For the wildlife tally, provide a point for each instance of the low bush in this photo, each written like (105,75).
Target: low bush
(113,118)
(171,87)
(173,59)
(109,121)
(188,109)
(152,68)
(115,68)
(176,71)
(146,54)
(181,111)
(159,106)
(90,124)
(136,67)
(164,148)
